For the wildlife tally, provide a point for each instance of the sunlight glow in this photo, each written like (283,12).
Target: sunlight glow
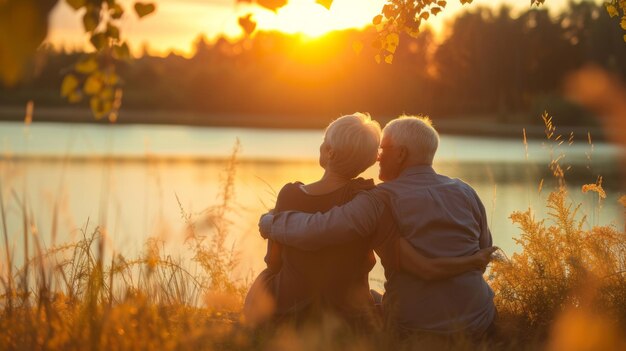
(309,18)
(177,23)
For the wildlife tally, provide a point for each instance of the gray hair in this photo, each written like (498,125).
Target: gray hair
(354,139)
(417,134)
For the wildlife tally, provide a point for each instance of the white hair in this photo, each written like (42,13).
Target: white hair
(354,140)
(417,134)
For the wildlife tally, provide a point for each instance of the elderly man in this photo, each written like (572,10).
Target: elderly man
(439,216)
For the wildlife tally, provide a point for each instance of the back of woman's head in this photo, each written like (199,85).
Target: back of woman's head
(354,140)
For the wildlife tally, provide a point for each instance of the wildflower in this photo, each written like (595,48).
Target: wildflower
(597,187)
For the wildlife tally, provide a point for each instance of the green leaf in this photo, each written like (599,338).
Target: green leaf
(96,107)
(112,31)
(273,5)
(23,27)
(106,94)
(116,11)
(69,85)
(106,106)
(111,79)
(99,41)
(121,52)
(388,11)
(377,20)
(144,9)
(325,3)
(91,20)
(391,42)
(76,4)
(247,24)
(413,32)
(93,84)
(99,107)
(75,97)
(612,10)
(86,66)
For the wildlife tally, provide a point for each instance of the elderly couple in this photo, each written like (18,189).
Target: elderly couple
(430,232)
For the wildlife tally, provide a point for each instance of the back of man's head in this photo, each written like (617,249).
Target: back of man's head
(417,134)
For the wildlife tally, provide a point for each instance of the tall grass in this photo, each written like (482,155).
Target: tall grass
(558,257)
(73,297)
(567,269)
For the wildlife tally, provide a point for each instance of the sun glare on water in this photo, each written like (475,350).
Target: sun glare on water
(313,20)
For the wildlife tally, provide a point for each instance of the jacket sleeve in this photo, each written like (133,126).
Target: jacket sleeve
(355,219)
(485,239)
(386,240)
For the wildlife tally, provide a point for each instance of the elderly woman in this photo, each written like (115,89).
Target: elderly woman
(297,284)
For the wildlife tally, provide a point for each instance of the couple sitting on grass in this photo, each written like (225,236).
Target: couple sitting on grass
(430,232)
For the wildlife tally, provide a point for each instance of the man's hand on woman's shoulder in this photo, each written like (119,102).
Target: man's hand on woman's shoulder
(484,256)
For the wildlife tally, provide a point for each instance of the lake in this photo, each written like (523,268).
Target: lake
(129,179)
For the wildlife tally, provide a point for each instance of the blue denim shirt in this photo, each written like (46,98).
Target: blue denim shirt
(438,215)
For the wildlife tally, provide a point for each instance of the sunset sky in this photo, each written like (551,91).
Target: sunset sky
(177,23)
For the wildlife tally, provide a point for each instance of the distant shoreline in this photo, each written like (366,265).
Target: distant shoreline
(482,125)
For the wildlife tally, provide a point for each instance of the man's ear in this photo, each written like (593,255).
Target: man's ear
(331,153)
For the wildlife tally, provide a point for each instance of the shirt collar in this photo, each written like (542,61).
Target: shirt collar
(419,169)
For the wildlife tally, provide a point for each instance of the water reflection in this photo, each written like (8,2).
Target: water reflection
(136,200)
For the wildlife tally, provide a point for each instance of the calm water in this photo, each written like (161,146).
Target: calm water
(128,178)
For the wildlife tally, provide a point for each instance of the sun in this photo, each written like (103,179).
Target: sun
(313,20)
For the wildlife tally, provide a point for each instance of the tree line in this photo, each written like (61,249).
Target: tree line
(491,66)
